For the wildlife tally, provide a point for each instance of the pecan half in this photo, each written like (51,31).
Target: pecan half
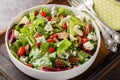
(74,59)
(60,64)
(88,28)
(27,47)
(79,40)
(37,34)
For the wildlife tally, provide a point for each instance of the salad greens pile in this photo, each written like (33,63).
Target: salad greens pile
(52,40)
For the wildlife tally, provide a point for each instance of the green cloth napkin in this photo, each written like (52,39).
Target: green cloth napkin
(109,12)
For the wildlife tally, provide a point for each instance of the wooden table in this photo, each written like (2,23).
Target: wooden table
(104,62)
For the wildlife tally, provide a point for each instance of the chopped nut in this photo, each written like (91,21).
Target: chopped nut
(74,60)
(60,64)
(27,48)
(79,41)
(88,28)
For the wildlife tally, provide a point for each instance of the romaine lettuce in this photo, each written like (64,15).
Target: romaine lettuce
(65,44)
(84,56)
(42,62)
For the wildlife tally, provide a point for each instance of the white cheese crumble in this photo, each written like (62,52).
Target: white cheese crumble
(53,11)
(48,27)
(24,20)
(78,31)
(65,20)
(88,45)
(16,34)
(24,59)
(92,36)
(72,38)
(63,55)
(73,53)
(40,39)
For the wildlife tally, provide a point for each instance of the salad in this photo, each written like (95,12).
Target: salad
(52,39)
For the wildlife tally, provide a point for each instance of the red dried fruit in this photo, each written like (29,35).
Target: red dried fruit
(51,37)
(21,51)
(48,18)
(30,65)
(55,35)
(51,40)
(43,13)
(37,44)
(51,49)
(84,40)
(36,13)
(63,16)
(64,26)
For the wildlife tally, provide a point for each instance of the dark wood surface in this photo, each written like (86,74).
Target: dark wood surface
(104,62)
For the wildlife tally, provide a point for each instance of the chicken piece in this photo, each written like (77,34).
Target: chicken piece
(63,35)
(37,34)
(54,20)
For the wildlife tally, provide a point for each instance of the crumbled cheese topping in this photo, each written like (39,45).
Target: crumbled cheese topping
(24,20)
(92,36)
(48,27)
(72,38)
(24,59)
(53,11)
(64,55)
(65,20)
(88,45)
(40,39)
(73,53)
(78,31)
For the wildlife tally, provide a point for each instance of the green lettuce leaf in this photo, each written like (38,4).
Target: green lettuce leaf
(64,11)
(65,44)
(78,21)
(15,46)
(35,53)
(27,35)
(45,10)
(44,48)
(84,56)
(67,63)
(70,29)
(32,16)
(42,62)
